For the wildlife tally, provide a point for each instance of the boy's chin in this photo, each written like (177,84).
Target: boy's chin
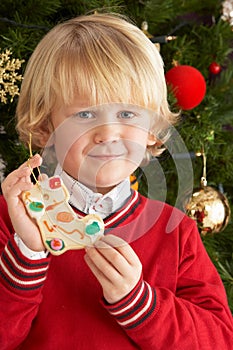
(104,178)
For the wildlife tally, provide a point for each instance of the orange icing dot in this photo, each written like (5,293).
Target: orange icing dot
(64,216)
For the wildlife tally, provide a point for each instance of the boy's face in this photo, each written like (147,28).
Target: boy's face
(101,145)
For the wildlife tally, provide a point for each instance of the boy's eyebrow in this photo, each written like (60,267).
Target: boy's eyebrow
(127,106)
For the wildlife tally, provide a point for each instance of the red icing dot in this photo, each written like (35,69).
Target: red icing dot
(54,182)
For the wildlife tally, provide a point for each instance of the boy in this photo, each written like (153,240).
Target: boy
(94,91)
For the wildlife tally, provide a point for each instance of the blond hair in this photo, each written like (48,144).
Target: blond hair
(101,56)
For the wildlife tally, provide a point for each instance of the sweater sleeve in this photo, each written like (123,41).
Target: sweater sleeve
(134,309)
(196,316)
(21,283)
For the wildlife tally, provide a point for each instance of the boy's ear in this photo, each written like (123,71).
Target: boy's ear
(151,140)
(44,140)
(46,135)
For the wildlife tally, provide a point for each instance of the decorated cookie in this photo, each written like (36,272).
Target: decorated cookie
(61,229)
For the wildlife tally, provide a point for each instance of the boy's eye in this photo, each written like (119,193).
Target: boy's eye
(85,115)
(126,115)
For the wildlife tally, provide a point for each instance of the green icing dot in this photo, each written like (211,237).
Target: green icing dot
(92,228)
(36,206)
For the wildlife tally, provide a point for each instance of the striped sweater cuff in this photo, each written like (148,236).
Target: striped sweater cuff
(19,272)
(136,308)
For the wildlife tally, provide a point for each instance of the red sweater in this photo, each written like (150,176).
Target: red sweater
(56,303)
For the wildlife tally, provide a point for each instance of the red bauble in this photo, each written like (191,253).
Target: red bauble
(214,68)
(188,85)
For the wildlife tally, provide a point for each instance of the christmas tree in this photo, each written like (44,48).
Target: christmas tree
(188,34)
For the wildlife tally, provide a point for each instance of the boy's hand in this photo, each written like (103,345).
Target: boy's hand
(115,265)
(12,187)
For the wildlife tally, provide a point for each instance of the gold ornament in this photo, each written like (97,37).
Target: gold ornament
(209,208)
(9,76)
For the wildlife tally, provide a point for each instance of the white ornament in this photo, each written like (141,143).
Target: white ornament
(227,11)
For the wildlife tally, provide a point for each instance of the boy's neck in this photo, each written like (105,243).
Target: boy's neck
(88,201)
(101,190)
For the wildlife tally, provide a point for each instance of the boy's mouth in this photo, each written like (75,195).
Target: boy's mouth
(105,157)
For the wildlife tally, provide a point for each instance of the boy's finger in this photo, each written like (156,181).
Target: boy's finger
(32,162)
(122,247)
(114,241)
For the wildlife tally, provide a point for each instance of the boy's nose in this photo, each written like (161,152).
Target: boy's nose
(107,133)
